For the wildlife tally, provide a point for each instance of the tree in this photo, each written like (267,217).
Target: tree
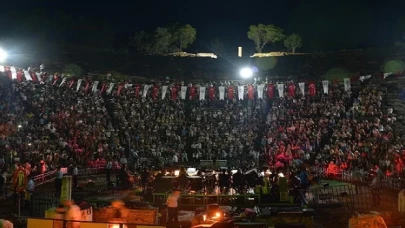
(293,42)
(183,36)
(141,41)
(73,69)
(217,46)
(263,34)
(162,41)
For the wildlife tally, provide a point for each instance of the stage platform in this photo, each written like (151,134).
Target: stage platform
(204,199)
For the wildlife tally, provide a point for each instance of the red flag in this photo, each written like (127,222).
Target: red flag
(291,89)
(270,91)
(120,87)
(34,76)
(192,92)
(86,89)
(312,89)
(103,88)
(211,92)
(137,89)
(175,92)
(155,91)
(71,83)
(231,92)
(19,75)
(251,92)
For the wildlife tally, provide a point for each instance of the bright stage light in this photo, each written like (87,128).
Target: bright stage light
(3,55)
(246,73)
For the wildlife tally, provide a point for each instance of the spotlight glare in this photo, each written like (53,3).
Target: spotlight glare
(246,73)
(3,55)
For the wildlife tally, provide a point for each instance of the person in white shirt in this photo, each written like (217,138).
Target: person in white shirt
(58,181)
(172,204)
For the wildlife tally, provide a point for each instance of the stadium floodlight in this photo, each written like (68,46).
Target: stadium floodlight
(246,73)
(3,55)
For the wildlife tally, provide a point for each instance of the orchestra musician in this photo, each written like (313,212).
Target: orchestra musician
(238,180)
(223,181)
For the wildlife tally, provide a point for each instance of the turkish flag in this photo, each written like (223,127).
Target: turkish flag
(137,88)
(87,87)
(155,91)
(312,89)
(251,92)
(291,89)
(103,88)
(175,92)
(270,91)
(192,92)
(231,92)
(19,75)
(34,76)
(72,82)
(211,92)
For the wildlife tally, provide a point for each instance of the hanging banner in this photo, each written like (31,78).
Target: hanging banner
(270,91)
(145,90)
(362,78)
(120,87)
(155,92)
(192,92)
(387,74)
(202,93)
(110,88)
(79,83)
(27,75)
(137,90)
(183,92)
(250,92)
(39,76)
(211,92)
(280,88)
(241,91)
(103,87)
(291,89)
(164,91)
(13,73)
(231,92)
(260,89)
(175,92)
(63,82)
(325,85)
(94,88)
(348,86)
(302,88)
(126,86)
(312,89)
(221,92)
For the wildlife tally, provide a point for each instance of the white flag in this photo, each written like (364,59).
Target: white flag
(27,75)
(79,83)
(260,89)
(63,81)
(126,86)
(202,93)
(94,88)
(325,85)
(13,73)
(302,87)
(110,88)
(145,90)
(183,92)
(2,68)
(221,92)
(164,91)
(280,88)
(241,92)
(39,76)
(387,74)
(346,83)
(362,78)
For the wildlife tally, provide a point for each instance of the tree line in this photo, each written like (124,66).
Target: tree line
(176,38)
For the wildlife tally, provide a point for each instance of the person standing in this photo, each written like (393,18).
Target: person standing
(172,204)
(376,186)
(108,168)
(58,181)
(75,174)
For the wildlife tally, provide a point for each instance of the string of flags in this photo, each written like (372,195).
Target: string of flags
(178,91)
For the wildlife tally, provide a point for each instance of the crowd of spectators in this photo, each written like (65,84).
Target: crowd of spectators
(46,125)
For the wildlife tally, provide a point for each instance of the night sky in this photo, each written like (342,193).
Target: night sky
(324,25)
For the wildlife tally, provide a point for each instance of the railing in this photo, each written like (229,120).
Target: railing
(50,176)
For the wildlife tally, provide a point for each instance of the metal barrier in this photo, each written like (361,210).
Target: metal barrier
(50,176)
